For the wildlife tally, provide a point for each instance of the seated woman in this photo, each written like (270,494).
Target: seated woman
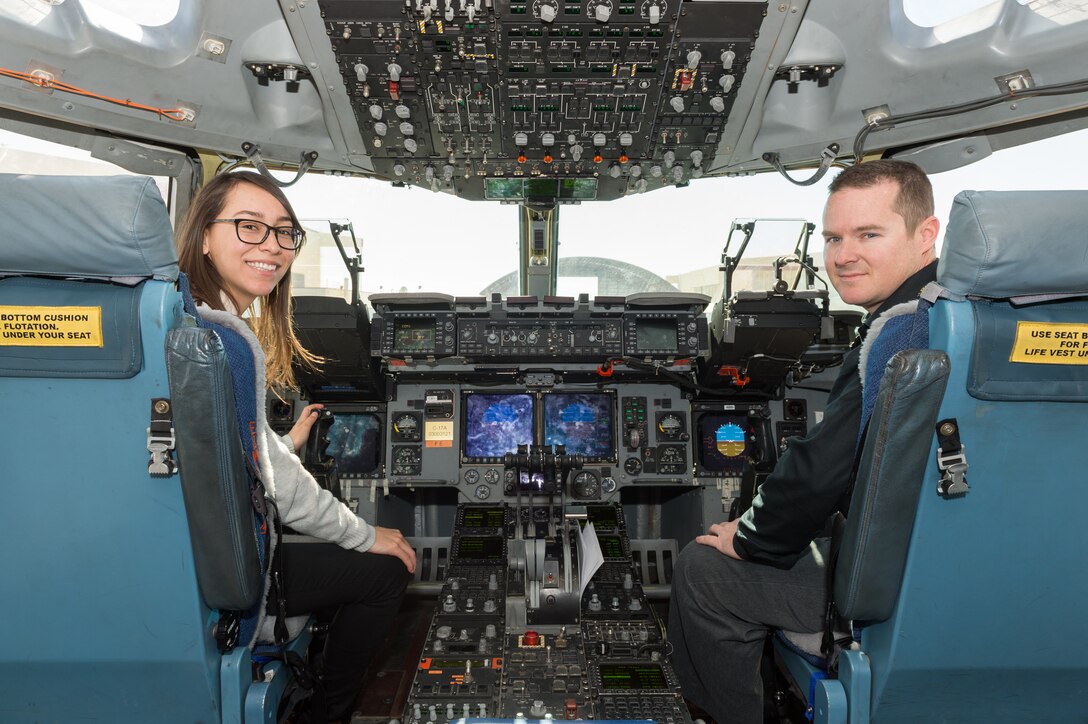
(236,245)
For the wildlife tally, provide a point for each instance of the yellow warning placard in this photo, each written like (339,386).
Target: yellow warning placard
(439,433)
(1050,343)
(50,326)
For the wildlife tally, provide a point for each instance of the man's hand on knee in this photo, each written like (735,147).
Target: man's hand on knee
(720,537)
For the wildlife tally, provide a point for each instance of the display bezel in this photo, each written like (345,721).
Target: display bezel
(703,451)
(339,410)
(659,324)
(468,398)
(598,457)
(414,324)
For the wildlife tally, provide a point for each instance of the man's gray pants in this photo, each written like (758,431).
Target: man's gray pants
(719,616)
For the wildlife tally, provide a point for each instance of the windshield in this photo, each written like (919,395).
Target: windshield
(413,240)
(673,239)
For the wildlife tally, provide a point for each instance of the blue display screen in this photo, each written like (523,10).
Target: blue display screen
(497,424)
(355,443)
(580,421)
(724,443)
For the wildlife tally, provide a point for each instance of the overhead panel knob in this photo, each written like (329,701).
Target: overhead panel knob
(449,13)
(360,71)
(728,56)
(601,13)
(410,145)
(394,72)
(576,152)
(398,169)
(636,171)
(677,103)
(614,170)
(599,139)
(406,129)
(655,171)
(547,13)
(655,14)
(447,172)
(677,173)
(626,139)
(521,139)
(402,111)
(380,128)
(693,59)
(726,82)
(375,112)
(548,139)
(669,158)
(718,104)
(696,157)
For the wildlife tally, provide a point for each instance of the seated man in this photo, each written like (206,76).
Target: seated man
(767,569)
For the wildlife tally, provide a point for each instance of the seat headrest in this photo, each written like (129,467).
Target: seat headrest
(1010,244)
(87,227)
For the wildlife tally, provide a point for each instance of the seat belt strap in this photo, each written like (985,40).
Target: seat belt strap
(951,460)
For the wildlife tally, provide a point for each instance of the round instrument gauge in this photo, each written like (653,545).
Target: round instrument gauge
(587,485)
(632,466)
(670,425)
(406,427)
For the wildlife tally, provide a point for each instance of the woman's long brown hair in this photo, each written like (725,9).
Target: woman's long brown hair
(272,322)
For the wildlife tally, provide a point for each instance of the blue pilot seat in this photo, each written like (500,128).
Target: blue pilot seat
(963,556)
(109,608)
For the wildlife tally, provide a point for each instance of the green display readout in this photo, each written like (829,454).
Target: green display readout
(518,189)
(491,517)
(629,677)
(603,516)
(480,548)
(611,546)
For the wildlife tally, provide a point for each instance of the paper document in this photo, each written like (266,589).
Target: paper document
(589,556)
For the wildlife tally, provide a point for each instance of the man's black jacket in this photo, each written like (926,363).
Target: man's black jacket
(810,480)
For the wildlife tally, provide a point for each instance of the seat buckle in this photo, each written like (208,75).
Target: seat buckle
(161,440)
(953,467)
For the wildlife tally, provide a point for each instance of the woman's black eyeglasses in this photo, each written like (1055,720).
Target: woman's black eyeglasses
(251,231)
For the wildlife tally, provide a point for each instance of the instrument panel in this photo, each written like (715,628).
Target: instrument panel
(552,100)
(521,635)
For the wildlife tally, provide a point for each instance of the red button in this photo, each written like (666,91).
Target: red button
(531,638)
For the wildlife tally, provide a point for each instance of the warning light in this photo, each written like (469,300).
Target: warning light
(531,638)
(597,157)
(623,158)
(522,158)
(547,158)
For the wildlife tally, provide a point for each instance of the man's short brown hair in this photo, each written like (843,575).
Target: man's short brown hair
(914,202)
